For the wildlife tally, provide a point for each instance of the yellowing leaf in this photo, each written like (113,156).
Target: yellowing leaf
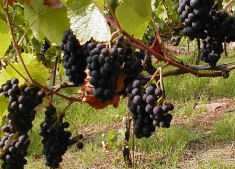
(36,69)
(87,22)
(4,102)
(5,38)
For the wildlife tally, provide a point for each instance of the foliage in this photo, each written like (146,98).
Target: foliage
(5,38)
(38,71)
(92,22)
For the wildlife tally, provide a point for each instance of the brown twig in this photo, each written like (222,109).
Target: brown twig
(223,71)
(228,4)
(5,60)
(126,149)
(54,76)
(15,45)
(113,15)
(61,86)
(63,112)
(137,43)
(72,99)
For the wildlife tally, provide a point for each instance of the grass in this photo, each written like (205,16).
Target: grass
(181,146)
(225,129)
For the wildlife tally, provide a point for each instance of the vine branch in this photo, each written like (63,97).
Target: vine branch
(137,43)
(228,4)
(15,45)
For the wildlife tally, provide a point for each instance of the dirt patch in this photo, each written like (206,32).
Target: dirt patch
(214,111)
(224,156)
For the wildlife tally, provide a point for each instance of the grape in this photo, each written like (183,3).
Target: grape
(75,56)
(204,22)
(55,139)
(80,145)
(23,101)
(45,47)
(143,124)
(104,70)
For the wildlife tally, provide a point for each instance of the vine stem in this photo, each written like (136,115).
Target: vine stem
(25,32)
(14,137)
(71,99)
(137,43)
(113,15)
(15,45)
(63,112)
(126,149)
(54,77)
(61,86)
(5,60)
(228,4)
(158,71)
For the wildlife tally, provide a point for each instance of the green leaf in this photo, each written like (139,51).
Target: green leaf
(5,38)
(47,22)
(161,12)
(114,4)
(4,102)
(130,21)
(87,22)
(143,8)
(61,70)
(36,69)
(1,10)
(100,4)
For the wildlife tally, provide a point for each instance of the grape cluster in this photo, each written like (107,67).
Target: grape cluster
(143,124)
(204,22)
(75,58)
(147,108)
(195,14)
(23,101)
(158,112)
(104,67)
(221,31)
(15,150)
(55,139)
(131,63)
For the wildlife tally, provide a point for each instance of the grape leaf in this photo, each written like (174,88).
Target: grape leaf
(88,96)
(143,8)
(1,10)
(46,22)
(130,21)
(4,102)
(100,4)
(87,21)
(36,69)
(61,70)
(5,38)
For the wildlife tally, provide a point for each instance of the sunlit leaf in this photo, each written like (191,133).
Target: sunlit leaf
(36,69)
(46,22)
(87,21)
(4,102)
(5,38)
(130,21)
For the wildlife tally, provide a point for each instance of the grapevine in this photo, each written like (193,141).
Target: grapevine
(103,58)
